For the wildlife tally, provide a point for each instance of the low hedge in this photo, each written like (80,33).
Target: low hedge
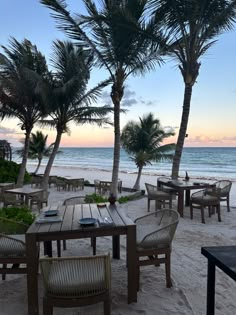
(9,171)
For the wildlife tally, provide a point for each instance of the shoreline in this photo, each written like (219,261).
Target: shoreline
(128,179)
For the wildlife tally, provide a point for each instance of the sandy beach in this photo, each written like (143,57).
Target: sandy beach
(189,267)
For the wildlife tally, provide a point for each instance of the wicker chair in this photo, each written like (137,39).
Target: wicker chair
(160,196)
(97,186)
(201,199)
(223,188)
(76,184)
(10,200)
(12,247)
(155,232)
(39,199)
(76,281)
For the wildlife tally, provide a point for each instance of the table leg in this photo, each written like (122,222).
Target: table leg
(116,246)
(181,202)
(211,288)
(47,248)
(187,197)
(131,264)
(32,274)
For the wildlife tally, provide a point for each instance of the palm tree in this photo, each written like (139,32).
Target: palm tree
(66,95)
(115,34)
(38,148)
(20,65)
(194,26)
(142,141)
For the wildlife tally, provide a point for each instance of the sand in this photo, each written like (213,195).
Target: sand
(189,267)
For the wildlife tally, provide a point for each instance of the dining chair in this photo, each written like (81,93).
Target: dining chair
(154,235)
(160,196)
(12,247)
(76,281)
(222,188)
(97,186)
(202,199)
(11,200)
(40,199)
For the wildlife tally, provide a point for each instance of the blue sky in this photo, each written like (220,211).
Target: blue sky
(213,110)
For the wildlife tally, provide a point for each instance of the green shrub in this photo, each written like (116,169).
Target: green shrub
(86,182)
(124,199)
(9,171)
(94,198)
(23,215)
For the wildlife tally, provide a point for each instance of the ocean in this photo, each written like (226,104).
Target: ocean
(218,163)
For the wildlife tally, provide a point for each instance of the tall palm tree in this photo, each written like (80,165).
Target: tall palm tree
(194,26)
(142,140)
(115,34)
(38,148)
(67,97)
(19,66)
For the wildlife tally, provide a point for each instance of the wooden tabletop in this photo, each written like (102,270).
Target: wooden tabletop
(24,190)
(72,214)
(224,257)
(183,184)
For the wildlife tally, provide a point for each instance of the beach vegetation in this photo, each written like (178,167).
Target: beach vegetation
(22,67)
(116,32)
(142,140)
(38,148)
(18,214)
(67,96)
(94,198)
(9,171)
(194,27)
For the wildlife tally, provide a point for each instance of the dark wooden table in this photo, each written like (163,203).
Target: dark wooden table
(180,186)
(224,257)
(24,191)
(70,228)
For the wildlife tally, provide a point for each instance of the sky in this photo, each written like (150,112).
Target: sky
(212,120)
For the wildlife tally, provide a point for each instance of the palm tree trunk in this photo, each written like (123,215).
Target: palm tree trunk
(137,183)
(21,175)
(182,131)
(38,166)
(51,160)
(116,153)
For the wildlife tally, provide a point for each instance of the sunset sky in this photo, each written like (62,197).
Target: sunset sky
(212,120)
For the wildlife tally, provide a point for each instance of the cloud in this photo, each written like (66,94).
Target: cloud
(129,99)
(8,131)
(169,128)
(229,138)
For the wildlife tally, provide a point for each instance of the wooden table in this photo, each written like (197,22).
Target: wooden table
(224,257)
(180,186)
(24,191)
(70,228)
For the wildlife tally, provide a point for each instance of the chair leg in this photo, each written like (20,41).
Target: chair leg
(64,244)
(202,214)
(228,207)
(168,277)
(58,248)
(148,204)
(107,307)
(93,244)
(218,212)
(170,202)
(4,275)
(191,210)
(47,308)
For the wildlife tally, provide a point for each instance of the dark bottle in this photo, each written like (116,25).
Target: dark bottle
(112,199)
(186,176)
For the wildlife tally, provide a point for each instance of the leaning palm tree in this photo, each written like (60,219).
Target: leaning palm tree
(142,140)
(38,148)
(67,97)
(194,26)
(20,64)
(115,34)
